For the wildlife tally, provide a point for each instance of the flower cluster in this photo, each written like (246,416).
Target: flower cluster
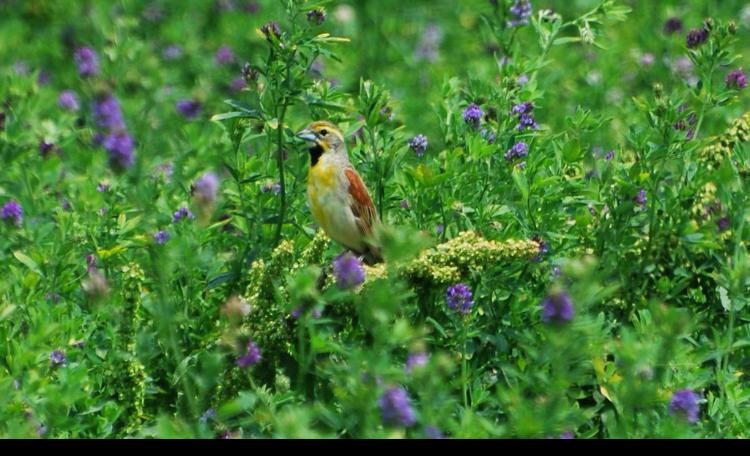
(640,198)
(696,37)
(87,62)
(736,80)
(12,212)
(520,13)
(251,357)
(182,213)
(525,116)
(348,271)
(395,407)
(468,252)
(189,108)
(419,145)
(68,100)
(519,150)
(113,135)
(473,116)
(315,17)
(685,403)
(459,298)
(557,307)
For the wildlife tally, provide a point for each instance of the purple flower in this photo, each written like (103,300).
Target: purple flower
(567,435)
(520,13)
(439,229)
(557,307)
(87,61)
(45,148)
(647,59)
(459,298)
(473,115)
(736,79)
(723,224)
(672,25)
(525,116)
(610,155)
(171,52)
(57,358)
(237,84)
(685,403)
(250,358)
(161,237)
(419,145)
(271,29)
(395,407)
(102,186)
(68,100)
(432,432)
(120,146)
(249,73)
(107,113)
(252,7)
(640,198)
(12,212)
(271,187)
(316,16)
(416,360)
(696,37)
(224,55)
(405,204)
(488,135)
(206,188)
(522,79)
(519,150)
(189,108)
(182,213)
(348,271)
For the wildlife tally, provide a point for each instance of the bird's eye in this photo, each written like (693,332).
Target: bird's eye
(323,132)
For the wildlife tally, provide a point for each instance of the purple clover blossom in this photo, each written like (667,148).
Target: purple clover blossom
(610,155)
(432,432)
(519,150)
(459,298)
(237,84)
(57,358)
(190,109)
(525,116)
(685,403)
(68,100)
(224,55)
(736,80)
(87,61)
(672,25)
(488,135)
(557,307)
(271,187)
(271,29)
(395,407)
(206,188)
(696,37)
(723,224)
(45,148)
(419,145)
(161,237)
(520,13)
(107,113)
(103,186)
(348,271)
(119,145)
(417,359)
(251,357)
(171,52)
(12,212)
(316,16)
(182,213)
(640,198)
(439,229)
(473,115)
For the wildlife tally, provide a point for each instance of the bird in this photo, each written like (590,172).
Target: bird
(338,197)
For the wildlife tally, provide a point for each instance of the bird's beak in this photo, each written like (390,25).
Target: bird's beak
(307,135)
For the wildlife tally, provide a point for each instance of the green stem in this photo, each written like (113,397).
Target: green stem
(464,366)
(280,165)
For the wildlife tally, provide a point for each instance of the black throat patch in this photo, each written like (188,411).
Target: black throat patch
(315,152)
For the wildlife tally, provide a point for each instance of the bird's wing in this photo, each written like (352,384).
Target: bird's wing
(361,203)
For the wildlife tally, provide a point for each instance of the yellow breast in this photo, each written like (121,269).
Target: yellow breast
(321,187)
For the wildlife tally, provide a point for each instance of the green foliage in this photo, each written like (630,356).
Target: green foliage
(609,165)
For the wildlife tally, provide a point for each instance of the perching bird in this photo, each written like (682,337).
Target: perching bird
(339,200)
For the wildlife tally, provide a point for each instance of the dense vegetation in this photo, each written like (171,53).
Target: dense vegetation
(563,184)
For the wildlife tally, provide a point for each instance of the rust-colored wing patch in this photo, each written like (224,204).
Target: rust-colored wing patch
(362,206)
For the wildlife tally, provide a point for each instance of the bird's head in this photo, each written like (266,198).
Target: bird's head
(324,137)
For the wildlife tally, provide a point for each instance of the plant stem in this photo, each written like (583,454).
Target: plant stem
(280,165)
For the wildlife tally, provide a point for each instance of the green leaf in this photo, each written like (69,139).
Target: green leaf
(31,264)
(726,303)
